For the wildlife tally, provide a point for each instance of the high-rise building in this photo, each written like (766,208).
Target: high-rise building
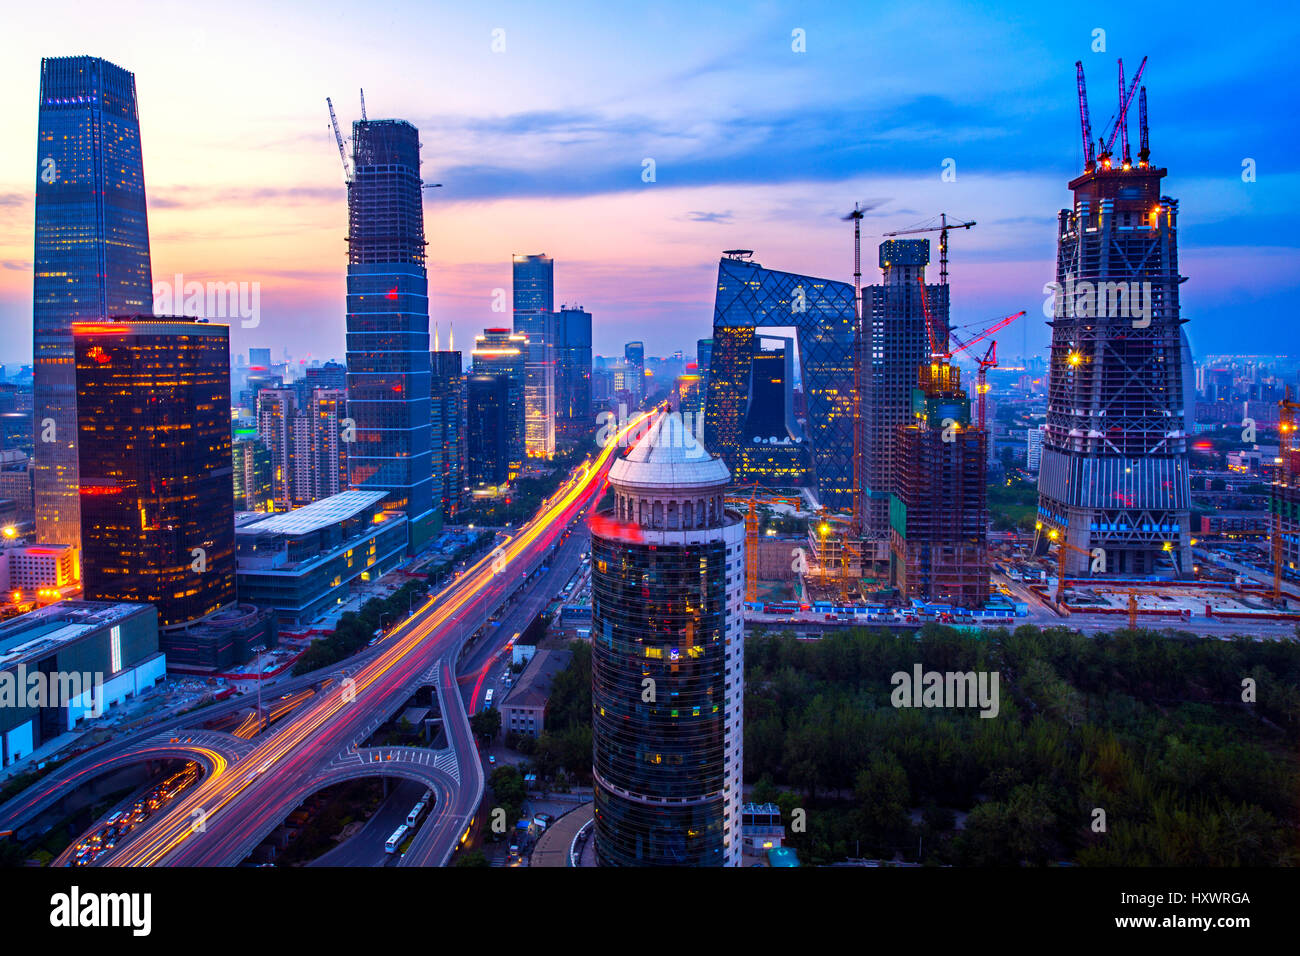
(388,325)
(157,496)
(448,410)
(487,433)
(573,419)
(91,256)
(773,452)
(260,359)
(330,375)
(1034,447)
(502,352)
(534,308)
(894,344)
(253,484)
(634,355)
(304,433)
(823,315)
(1114,473)
(938,500)
(667,658)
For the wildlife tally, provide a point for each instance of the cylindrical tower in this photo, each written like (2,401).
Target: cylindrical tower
(668,658)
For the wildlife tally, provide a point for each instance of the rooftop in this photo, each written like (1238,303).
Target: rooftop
(315,516)
(669,456)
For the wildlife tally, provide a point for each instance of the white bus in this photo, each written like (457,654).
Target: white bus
(487,700)
(414,814)
(395,840)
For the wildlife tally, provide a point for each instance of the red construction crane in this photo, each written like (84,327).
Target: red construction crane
(990,359)
(1144,148)
(1121,118)
(942,230)
(1085,124)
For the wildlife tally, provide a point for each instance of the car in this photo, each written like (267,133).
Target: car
(492,758)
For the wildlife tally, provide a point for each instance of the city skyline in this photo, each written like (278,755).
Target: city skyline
(247,187)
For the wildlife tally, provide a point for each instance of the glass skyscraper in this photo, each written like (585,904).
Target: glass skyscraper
(502,352)
(573,418)
(448,409)
(91,256)
(388,325)
(157,489)
(534,305)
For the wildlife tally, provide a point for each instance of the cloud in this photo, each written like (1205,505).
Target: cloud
(694,216)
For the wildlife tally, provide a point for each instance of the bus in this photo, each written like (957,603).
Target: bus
(395,840)
(487,698)
(414,814)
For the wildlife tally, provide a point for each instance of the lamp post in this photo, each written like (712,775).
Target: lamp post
(257,651)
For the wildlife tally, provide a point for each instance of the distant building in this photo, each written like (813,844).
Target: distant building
(31,572)
(488,432)
(303,432)
(1034,447)
(524,708)
(574,415)
(535,318)
(16,484)
(252,476)
(502,352)
(156,476)
(304,562)
(93,655)
(634,356)
(448,413)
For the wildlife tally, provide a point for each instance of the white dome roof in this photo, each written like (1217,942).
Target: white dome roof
(669,457)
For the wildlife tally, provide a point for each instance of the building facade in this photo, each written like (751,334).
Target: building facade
(91,256)
(1114,473)
(574,419)
(157,492)
(668,658)
(535,318)
(487,431)
(502,352)
(388,325)
(448,411)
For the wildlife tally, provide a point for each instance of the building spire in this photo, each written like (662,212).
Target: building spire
(435,338)
(451,337)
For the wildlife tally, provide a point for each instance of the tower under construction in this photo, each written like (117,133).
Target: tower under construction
(1114,472)
(938,512)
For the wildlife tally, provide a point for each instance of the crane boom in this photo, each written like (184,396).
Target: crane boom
(338,137)
(1123,120)
(1085,123)
(1123,106)
(942,230)
(1144,147)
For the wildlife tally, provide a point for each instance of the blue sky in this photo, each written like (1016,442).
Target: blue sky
(541,146)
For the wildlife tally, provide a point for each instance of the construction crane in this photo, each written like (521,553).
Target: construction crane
(1121,118)
(751,539)
(856,217)
(1144,147)
(942,230)
(1286,427)
(338,137)
(990,359)
(363,106)
(1085,123)
(1062,546)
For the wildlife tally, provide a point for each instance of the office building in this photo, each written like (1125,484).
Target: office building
(70,661)
(1034,447)
(667,658)
(447,406)
(535,318)
(388,325)
(487,432)
(303,432)
(773,453)
(253,475)
(574,418)
(1114,472)
(823,315)
(502,352)
(634,356)
(91,255)
(303,563)
(157,496)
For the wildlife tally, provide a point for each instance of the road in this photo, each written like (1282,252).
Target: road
(237,805)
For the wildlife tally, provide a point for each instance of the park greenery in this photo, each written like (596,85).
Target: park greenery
(562,752)
(1150,729)
(1013,503)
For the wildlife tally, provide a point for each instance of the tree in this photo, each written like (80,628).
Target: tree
(486,723)
(472,858)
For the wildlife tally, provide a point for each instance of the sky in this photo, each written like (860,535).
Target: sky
(539,120)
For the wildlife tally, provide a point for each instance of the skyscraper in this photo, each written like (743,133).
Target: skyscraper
(823,315)
(91,256)
(157,496)
(534,307)
(448,410)
(634,355)
(574,417)
(502,352)
(938,500)
(487,435)
(773,452)
(895,345)
(388,325)
(667,658)
(1114,472)
(252,475)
